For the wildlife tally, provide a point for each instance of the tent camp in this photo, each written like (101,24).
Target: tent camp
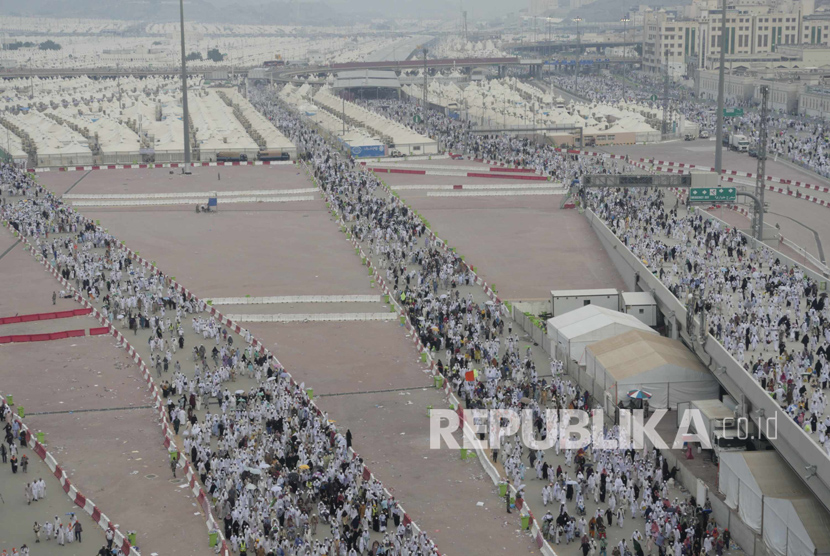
(773,501)
(639,360)
(572,332)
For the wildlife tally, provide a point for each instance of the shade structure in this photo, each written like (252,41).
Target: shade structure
(575,330)
(773,501)
(642,361)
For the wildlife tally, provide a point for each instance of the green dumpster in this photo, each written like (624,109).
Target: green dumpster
(423,357)
(502,489)
(386,298)
(463,453)
(20,412)
(41,437)
(9,399)
(131,538)
(429,411)
(403,320)
(214,538)
(438,380)
(525,521)
(310,392)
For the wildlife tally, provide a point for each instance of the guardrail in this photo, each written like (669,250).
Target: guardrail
(795,446)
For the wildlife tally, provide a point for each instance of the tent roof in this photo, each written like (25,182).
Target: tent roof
(593,317)
(774,477)
(636,352)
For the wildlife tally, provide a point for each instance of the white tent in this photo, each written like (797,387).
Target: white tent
(572,332)
(773,501)
(639,360)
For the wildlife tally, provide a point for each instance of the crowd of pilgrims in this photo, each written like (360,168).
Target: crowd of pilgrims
(758,304)
(275,468)
(800,139)
(769,315)
(311,479)
(488,369)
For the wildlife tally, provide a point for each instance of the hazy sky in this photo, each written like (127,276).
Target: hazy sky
(476,9)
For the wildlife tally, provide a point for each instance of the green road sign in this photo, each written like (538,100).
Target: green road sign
(732,112)
(416,118)
(653,98)
(712,194)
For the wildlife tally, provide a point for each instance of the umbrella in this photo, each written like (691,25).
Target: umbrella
(249,486)
(525,400)
(303,467)
(639,394)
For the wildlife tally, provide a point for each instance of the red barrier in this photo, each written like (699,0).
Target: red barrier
(99,331)
(5,339)
(40,337)
(58,336)
(44,316)
(533,177)
(75,333)
(401,171)
(502,169)
(458,187)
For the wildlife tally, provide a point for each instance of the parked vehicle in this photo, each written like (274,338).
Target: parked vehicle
(689,137)
(753,152)
(231,156)
(269,155)
(738,142)
(395,153)
(704,134)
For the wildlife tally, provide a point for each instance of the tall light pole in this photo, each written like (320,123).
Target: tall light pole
(625,21)
(578,53)
(424,117)
(185,115)
(719,128)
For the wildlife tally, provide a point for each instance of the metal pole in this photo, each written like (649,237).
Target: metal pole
(758,217)
(578,53)
(424,117)
(719,128)
(625,51)
(185,115)
(666,98)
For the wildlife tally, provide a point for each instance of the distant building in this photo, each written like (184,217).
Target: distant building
(691,38)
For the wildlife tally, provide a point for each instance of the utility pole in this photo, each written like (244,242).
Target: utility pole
(625,21)
(343,98)
(424,108)
(185,115)
(758,215)
(666,98)
(719,128)
(578,54)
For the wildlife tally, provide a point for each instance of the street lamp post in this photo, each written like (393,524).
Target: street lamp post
(185,116)
(578,53)
(719,130)
(625,21)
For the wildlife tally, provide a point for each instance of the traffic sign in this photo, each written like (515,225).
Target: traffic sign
(712,194)
(416,118)
(732,112)
(653,98)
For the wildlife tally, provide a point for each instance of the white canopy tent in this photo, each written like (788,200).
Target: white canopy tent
(773,501)
(640,360)
(574,331)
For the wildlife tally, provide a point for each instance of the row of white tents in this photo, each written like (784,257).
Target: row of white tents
(511,103)
(127,119)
